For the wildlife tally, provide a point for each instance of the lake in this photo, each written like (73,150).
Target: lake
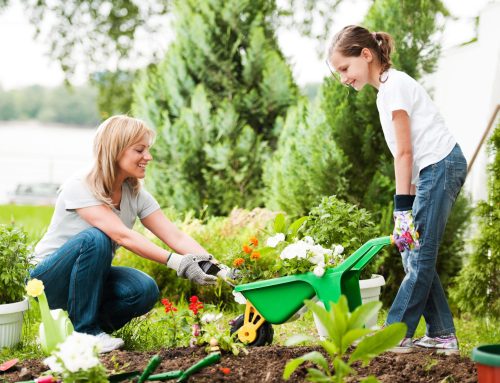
(32,152)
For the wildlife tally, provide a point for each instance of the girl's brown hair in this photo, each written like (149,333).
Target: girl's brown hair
(351,40)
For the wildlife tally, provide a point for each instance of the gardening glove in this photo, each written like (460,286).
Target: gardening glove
(404,235)
(189,266)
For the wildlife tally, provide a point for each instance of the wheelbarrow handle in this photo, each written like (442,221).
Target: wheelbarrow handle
(207,361)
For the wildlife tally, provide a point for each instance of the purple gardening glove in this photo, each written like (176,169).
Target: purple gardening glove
(404,236)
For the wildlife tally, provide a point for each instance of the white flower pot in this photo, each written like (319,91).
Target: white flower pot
(370,291)
(11,322)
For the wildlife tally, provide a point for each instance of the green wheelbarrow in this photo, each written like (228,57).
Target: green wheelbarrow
(276,301)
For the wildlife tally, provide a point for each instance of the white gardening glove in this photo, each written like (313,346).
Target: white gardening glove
(188,266)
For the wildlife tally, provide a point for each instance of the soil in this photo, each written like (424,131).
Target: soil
(265,364)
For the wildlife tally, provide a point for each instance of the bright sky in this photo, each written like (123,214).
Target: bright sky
(24,61)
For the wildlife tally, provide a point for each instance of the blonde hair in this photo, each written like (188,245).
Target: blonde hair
(351,40)
(112,138)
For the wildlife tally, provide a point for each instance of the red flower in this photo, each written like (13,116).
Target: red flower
(225,370)
(247,249)
(195,305)
(169,306)
(254,241)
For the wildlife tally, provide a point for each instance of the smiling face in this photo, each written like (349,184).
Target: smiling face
(355,71)
(134,159)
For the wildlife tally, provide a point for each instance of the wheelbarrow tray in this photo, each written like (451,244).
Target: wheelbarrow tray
(278,299)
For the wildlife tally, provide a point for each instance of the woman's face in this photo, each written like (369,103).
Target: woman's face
(133,161)
(353,71)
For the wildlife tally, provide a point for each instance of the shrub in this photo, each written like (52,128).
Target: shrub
(15,256)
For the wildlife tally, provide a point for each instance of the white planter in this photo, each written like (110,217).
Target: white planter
(11,322)
(370,291)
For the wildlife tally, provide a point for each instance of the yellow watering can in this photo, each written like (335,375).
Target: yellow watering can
(56,325)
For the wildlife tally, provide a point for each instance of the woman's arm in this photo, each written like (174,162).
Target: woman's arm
(108,222)
(164,229)
(403,159)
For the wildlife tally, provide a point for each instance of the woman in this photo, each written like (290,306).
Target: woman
(93,216)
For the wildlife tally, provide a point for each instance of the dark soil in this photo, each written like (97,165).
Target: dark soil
(265,364)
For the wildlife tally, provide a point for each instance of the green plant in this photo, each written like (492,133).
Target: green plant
(334,221)
(344,329)
(15,256)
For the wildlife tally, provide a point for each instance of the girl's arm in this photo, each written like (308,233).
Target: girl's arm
(103,218)
(403,159)
(164,229)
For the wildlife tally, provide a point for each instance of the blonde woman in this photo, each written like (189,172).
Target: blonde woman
(94,214)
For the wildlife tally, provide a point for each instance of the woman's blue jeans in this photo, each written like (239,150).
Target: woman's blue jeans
(79,278)
(421,292)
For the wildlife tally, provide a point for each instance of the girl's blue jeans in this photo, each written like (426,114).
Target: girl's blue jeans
(421,292)
(79,278)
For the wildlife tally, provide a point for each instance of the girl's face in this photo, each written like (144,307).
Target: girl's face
(354,71)
(133,161)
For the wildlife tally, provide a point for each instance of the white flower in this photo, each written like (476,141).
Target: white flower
(319,271)
(239,298)
(210,317)
(273,241)
(339,249)
(53,364)
(307,239)
(295,250)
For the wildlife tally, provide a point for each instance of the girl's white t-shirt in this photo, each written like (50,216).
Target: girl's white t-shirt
(75,194)
(430,138)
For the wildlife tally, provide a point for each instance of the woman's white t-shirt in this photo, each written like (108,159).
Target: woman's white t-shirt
(75,194)
(431,141)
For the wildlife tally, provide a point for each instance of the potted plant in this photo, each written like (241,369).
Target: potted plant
(15,257)
(487,358)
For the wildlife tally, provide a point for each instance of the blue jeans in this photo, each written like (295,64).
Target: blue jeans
(421,292)
(79,278)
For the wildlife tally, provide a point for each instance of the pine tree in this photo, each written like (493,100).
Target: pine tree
(477,288)
(214,100)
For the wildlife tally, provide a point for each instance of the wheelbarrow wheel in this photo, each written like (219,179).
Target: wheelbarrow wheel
(265,332)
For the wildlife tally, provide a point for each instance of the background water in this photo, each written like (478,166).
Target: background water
(32,152)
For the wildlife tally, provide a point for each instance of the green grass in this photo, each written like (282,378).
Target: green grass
(33,219)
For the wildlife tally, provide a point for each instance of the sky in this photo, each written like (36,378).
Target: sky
(24,60)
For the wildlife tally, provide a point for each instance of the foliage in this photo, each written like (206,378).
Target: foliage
(307,164)
(344,329)
(114,92)
(60,104)
(15,257)
(334,221)
(477,287)
(214,100)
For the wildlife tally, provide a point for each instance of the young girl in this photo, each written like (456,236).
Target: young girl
(94,214)
(430,170)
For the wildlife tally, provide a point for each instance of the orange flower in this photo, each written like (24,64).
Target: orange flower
(255,255)
(238,262)
(254,241)
(247,249)
(225,370)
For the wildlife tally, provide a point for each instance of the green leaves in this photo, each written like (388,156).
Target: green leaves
(344,329)
(15,256)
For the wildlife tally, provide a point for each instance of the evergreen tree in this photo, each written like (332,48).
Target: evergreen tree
(214,100)
(307,164)
(477,288)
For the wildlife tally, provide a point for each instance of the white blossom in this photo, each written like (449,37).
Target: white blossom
(239,298)
(338,249)
(319,271)
(307,239)
(210,317)
(273,241)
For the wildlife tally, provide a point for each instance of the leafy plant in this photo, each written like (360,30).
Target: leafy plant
(15,256)
(344,329)
(177,324)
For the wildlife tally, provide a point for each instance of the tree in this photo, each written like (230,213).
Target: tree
(214,100)
(477,288)
(307,165)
